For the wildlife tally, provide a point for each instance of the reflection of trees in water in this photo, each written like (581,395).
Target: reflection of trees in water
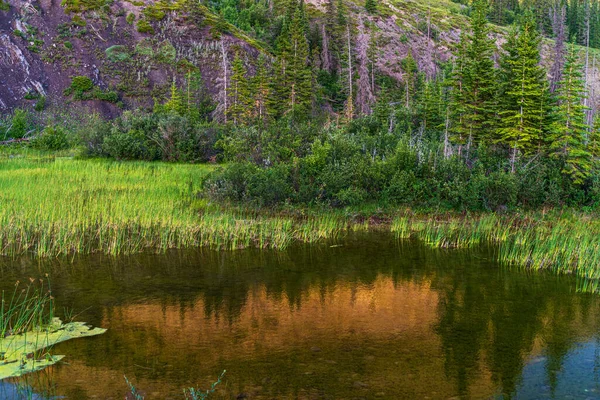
(487,319)
(495,318)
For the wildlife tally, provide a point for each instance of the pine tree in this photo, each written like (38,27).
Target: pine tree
(479,78)
(524,96)
(239,102)
(175,103)
(261,92)
(300,73)
(570,129)
(291,88)
(280,87)
(410,69)
(458,131)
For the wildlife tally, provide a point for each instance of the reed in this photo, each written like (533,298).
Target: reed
(27,309)
(563,242)
(58,206)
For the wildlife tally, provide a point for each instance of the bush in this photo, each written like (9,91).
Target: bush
(141,136)
(79,85)
(15,126)
(117,53)
(144,26)
(51,138)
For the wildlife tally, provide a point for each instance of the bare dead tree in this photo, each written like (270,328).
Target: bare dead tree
(326,63)
(559,17)
(220,112)
(350,101)
(364,93)
(589,114)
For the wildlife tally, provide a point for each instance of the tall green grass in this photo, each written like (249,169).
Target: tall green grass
(564,242)
(59,206)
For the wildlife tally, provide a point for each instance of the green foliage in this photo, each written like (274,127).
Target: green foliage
(4,6)
(144,26)
(240,104)
(524,91)
(569,130)
(52,138)
(16,126)
(40,104)
(83,5)
(79,84)
(371,6)
(130,19)
(82,88)
(78,21)
(117,53)
(138,136)
(474,82)
(166,52)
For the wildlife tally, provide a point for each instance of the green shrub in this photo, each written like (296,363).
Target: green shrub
(130,18)
(51,138)
(154,13)
(144,26)
(16,126)
(79,84)
(78,21)
(140,136)
(40,105)
(4,6)
(166,52)
(117,53)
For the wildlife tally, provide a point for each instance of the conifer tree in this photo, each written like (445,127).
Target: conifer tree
(300,73)
(175,103)
(239,102)
(458,131)
(524,97)
(479,78)
(410,68)
(292,85)
(280,84)
(261,92)
(569,129)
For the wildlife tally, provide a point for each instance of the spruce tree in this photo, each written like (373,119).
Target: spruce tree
(479,77)
(175,103)
(300,73)
(261,92)
(457,130)
(291,87)
(239,102)
(569,130)
(524,91)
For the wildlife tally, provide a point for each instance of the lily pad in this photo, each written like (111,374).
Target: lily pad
(18,352)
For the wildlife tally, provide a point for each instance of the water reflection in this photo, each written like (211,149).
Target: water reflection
(369,319)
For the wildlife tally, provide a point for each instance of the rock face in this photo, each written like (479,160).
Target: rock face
(44,44)
(42,47)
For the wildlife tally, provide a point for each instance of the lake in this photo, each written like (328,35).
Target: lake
(362,317)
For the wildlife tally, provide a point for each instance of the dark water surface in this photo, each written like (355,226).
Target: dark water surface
(370,318)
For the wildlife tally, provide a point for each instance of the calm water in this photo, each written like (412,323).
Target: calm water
(369,318)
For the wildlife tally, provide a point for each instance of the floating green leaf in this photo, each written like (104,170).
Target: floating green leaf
(18,352)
